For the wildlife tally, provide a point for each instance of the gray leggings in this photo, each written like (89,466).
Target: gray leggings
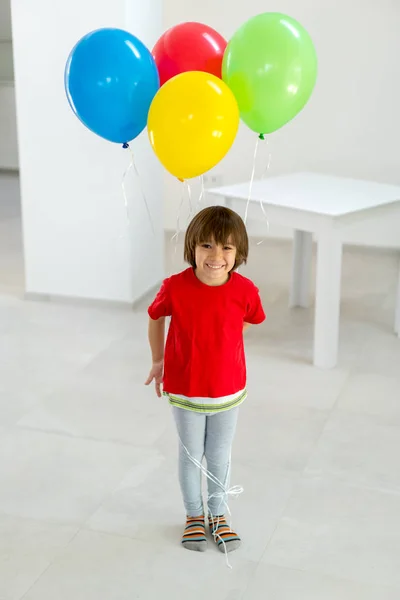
(209,436)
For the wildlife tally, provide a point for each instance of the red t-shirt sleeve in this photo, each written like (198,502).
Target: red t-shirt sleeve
(254,311)
(161,305)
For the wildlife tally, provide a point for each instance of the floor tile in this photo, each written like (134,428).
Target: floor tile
(381,354)
(277,436)
(290,383)
(355,449)
(256,512)
(14,403)
(100,408)
(56,478)
(148,504)
(27,548)
(339,530)
(279,583)
(372,394)
(98,566)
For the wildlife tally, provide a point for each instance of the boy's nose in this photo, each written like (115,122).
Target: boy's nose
(217,253)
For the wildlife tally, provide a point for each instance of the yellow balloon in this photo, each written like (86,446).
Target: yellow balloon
(192,123)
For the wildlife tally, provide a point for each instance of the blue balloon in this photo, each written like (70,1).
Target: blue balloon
(111,79)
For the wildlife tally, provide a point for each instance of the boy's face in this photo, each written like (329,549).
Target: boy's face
(214,262)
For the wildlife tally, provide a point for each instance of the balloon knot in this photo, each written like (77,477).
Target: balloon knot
(261,136)
(181,180)
(125,146)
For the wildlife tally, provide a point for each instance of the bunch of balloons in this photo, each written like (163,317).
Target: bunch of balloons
(193,88)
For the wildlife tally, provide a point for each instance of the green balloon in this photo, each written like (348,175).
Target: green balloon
(270,64)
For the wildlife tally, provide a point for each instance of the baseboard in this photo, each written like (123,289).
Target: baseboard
(77,301)
(92,302)
(9,170)
(147,296)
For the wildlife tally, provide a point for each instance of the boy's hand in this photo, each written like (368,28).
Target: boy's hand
(156,374)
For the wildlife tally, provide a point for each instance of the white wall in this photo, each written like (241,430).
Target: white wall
(5,20)
(6,61)
(8,127)
(76,239)
(351,126)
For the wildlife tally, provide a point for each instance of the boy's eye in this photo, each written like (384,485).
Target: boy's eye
(208,246)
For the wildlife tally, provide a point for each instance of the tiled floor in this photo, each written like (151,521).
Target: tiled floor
(89,502)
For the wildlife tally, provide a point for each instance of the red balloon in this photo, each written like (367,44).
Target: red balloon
(189,47)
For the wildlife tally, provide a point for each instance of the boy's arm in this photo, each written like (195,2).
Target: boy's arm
(156,340)
(246,326)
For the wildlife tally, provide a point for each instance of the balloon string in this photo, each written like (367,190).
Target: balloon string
(251,181)
(133,162)
(264,176)
(185,188)
(178,220)
(189,191)
(222,495)
(202,192)
(123,185)
(266,170)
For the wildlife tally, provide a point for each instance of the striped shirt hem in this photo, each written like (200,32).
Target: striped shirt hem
(186,403)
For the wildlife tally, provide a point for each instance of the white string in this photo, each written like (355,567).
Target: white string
(233,491)
(144,199)
(202,192)
(251,182)
(189,191)
(178,221)
(132,164)
(265,174)
(269,160)
(124,194)
(142,191)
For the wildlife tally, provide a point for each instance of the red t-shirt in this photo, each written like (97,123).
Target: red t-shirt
(204,353)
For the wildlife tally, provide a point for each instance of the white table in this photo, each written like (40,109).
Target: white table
(325,205)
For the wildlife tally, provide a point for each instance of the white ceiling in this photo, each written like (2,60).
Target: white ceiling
(5,20)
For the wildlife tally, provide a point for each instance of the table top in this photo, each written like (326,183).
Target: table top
(314,193)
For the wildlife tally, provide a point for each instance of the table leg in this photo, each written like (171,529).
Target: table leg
(301,269)
(327,299)
(397,315)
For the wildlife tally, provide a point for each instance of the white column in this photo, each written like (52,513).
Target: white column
(77,240)
(301,269)
(327,299)
(397,314)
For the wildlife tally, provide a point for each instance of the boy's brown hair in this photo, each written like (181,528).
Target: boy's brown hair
(218,224)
